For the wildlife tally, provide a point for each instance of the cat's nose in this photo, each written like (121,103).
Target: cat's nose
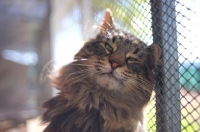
(114,64)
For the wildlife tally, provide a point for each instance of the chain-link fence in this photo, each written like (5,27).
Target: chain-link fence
(174,25)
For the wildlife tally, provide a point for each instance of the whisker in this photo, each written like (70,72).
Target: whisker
(143,85)
(82,78)
(75,78)
(137,93)
(82,72)
(80,64)
(42,75)
(146,86)
(131,89)
(146,81)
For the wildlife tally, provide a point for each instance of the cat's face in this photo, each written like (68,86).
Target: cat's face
(119,60)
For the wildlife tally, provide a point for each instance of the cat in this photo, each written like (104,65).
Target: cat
(106,87)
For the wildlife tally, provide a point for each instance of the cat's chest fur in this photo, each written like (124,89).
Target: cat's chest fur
(94,109)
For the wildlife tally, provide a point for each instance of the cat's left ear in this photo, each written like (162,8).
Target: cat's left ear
(155,52)
(108,21)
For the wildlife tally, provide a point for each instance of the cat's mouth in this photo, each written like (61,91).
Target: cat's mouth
(109,75)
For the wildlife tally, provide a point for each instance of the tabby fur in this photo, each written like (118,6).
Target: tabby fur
(106,87)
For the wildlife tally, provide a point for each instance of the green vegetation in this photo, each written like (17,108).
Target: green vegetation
(190,118)
(151,116)
(190,121)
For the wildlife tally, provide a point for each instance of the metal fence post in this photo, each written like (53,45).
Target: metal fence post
(168,112)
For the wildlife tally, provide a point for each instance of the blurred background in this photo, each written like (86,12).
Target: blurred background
(39,35)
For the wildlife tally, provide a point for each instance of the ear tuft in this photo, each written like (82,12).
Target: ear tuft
(108,21)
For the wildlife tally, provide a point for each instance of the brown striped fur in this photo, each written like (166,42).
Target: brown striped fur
(107,86)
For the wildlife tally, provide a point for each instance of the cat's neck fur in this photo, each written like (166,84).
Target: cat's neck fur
(117,109)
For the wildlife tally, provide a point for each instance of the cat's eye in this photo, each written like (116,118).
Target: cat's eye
(108,47)
(131,60)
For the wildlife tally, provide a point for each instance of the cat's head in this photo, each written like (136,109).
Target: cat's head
(118,59)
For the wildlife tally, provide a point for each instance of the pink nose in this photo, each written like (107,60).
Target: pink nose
(114,64)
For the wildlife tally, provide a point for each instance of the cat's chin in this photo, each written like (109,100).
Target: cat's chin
(108,81)
(109,76)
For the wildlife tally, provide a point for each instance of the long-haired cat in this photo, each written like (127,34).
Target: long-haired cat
(106,87)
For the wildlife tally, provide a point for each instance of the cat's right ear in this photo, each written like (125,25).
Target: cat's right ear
(107,22)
